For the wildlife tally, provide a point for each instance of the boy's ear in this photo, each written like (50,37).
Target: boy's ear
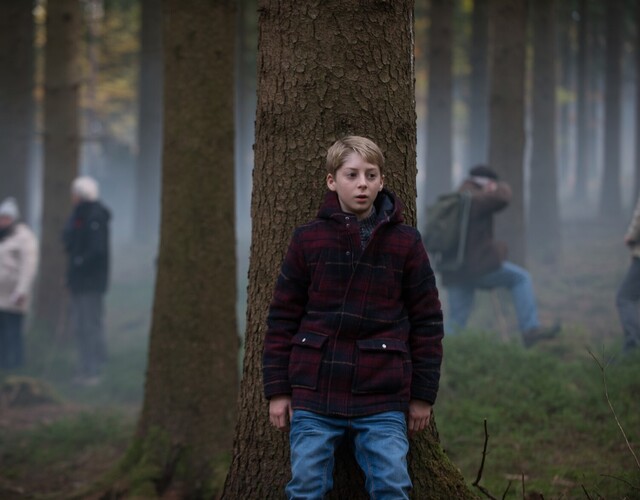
(331,182)
(381,182)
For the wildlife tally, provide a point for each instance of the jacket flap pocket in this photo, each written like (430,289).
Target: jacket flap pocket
(382,345)
(310,339)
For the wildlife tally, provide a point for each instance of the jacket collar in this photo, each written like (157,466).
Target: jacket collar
(388,206)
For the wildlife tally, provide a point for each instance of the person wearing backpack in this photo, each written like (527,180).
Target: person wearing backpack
(485,264)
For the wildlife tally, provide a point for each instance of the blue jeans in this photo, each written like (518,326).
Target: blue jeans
(515,278)
(627,301)
(11,345)
(379,442)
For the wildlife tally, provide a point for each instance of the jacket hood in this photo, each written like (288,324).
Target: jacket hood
(388,206)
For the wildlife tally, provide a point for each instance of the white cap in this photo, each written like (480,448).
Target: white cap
(9,208)
(85,188)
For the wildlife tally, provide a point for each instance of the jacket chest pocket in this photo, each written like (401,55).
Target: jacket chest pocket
(306,358)
(380,366)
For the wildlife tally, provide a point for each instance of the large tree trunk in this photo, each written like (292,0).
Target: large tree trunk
(506,129)
(610,202)
(544,218)
(339,67)
(61,146)
(16,97)
(439,101)
(185,431)
(582,110)
(148,178)
(478,116)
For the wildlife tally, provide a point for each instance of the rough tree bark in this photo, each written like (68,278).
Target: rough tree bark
(440,100)
(543,215)
(325,69)
(16,97)
(506,123)
(61,146)
(185,431)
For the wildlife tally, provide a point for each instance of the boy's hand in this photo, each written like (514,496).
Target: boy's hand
(280,412)
(419,416)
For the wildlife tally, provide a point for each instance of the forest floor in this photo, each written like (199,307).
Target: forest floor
(551,429)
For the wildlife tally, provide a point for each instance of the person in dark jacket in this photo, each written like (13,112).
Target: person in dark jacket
(86,241)
(485,264)
(354,332)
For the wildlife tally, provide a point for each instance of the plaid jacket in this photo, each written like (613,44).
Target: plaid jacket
(353,332)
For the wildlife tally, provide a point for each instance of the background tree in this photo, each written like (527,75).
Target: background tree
(506,110)
(334,68)
(544,217)
(185,430)
(16,97)
(582,111)
(440,100)
(478,102)
(636,186)
(148,178)
(610,201)
(61,146)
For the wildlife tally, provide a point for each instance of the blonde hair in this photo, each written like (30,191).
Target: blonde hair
(342,148)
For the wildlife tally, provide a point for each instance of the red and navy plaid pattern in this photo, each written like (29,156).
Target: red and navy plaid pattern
(354,331)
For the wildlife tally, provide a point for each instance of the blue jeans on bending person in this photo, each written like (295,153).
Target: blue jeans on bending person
(515,278)
(627,301)
(379,443)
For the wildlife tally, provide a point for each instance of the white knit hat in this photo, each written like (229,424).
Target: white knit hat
(9,208)
(85,188)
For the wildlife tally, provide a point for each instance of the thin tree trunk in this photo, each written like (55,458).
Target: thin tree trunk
(61,147)
(335,68)
(478,109)
(148,178)
(544,217)
(506,129)
(16,97)
(582,115)
(636,187)
(610,203)
(440,100)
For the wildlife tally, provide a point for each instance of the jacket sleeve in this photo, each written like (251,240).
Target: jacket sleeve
(29,264)
(425,317)
(488,202)
(285,314)
(633,231)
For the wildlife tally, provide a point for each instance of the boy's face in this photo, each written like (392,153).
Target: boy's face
(357,184)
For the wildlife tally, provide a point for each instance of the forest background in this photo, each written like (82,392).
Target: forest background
(551,429)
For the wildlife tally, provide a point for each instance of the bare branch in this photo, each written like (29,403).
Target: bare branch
(615,416)
(476,483)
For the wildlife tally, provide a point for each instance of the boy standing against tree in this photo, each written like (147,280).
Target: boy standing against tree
(354,341)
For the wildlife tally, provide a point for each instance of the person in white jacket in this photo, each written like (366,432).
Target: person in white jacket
(18,265)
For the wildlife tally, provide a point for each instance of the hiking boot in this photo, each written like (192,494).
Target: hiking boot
(535,335)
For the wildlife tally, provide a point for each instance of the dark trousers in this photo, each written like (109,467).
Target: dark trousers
(11,345)
(88,329)
(627,301)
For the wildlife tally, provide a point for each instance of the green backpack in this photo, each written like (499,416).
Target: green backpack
(445,234)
